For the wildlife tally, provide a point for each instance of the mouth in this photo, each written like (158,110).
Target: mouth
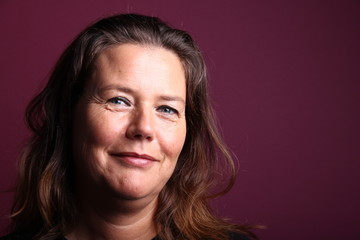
(133,159)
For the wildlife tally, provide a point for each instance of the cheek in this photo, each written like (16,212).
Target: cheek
(102,132)
(101,128)
(173,140)
(93,130)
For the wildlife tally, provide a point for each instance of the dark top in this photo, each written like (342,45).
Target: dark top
(233,236)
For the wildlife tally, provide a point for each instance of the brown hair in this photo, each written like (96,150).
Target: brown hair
(44,203)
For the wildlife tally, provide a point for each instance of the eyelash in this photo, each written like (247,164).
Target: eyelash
(116,100)
(164,108)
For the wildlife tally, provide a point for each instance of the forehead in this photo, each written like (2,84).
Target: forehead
(139,66)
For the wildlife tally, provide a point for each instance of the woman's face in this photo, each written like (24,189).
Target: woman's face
(129,125)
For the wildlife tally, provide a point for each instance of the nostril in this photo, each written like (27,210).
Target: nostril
(149,137)
(138,136)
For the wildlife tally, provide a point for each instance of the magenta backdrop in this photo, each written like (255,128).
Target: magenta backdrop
(285,84)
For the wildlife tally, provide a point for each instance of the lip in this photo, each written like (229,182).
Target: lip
(135,159)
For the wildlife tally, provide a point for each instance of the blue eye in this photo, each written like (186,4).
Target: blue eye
(119,101)
(167,110)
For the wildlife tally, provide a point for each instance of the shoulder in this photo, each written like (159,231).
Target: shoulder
(21,236)
(16,236)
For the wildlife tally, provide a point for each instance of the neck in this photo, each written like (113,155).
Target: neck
(115,219)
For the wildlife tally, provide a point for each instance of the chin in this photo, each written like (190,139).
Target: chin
(132,192)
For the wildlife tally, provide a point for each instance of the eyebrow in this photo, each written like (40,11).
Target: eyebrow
(129,90)
(172,98)
(117,88)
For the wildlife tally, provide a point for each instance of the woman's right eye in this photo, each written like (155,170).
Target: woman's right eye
(119,101)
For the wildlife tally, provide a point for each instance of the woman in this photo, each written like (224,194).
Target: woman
(124,143)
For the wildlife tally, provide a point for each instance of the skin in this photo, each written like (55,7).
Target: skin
(129,129)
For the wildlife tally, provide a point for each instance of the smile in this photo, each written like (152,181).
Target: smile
(134,159)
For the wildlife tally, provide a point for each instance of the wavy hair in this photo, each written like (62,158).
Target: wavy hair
(44,203)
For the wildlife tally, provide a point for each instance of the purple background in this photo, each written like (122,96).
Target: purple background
(285,85)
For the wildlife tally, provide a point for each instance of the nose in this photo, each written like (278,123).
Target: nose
(141,125)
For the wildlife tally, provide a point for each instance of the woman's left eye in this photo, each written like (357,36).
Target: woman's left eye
(167,110)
